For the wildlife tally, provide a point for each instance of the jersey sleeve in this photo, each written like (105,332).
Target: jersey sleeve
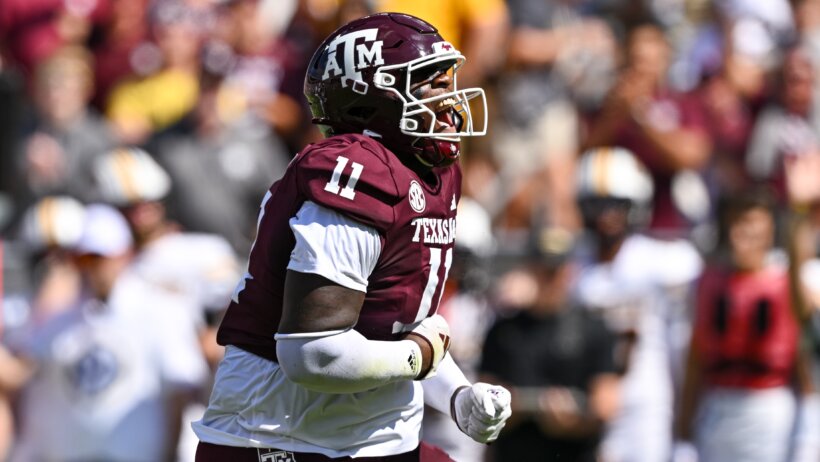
(351,177)
(333,246)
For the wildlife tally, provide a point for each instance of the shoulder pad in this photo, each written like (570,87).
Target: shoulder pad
(353,175)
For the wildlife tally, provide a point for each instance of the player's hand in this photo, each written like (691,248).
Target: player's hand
(481,411)
(433,336)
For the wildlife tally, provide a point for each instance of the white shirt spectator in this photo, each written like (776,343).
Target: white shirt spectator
(104,371)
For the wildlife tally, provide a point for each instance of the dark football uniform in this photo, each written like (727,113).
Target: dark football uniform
(372,208)
(357,177)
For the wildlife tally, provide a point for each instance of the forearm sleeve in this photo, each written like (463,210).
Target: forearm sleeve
(345,361)
(439,389)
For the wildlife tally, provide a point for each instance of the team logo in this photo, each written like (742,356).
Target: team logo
(443,47)
(277,456)
(416,196)
(358,50)
(95,371)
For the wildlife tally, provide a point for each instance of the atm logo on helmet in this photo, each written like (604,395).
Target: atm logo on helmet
(358,50)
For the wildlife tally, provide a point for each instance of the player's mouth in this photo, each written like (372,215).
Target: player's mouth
(445,116)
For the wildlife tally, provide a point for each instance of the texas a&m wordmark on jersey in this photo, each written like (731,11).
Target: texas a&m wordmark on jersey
(357,177)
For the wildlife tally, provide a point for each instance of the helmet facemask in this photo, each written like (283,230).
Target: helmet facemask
(423,118)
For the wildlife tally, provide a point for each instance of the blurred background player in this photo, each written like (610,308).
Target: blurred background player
(641,296)
(558,361)
(353,248)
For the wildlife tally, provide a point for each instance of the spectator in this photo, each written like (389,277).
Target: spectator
(169,89)
(558,361)
(665,131)
(119,45)
(210,147)
(732,94)
(473,26)
(111,373)
(553,55)
(262,75)
(788,126)
(642,297)
(743,373)
(66,134)
(33,29)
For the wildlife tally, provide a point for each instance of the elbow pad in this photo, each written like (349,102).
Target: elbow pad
(345,361)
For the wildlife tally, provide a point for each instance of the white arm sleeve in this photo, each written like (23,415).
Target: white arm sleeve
(333,246)
(346,362)
(438,390)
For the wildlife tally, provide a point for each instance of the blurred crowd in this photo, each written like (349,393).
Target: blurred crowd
(638,240)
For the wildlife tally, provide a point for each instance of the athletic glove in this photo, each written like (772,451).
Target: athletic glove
(435,331)
(481,410)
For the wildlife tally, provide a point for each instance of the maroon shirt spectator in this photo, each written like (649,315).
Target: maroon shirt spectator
(114,45)
(667,131)
(731,95)
(33,29)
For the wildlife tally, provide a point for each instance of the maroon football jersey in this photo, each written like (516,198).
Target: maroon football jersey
(358,177)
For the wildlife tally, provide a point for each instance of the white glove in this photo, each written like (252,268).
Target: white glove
(480,411)
(435,331)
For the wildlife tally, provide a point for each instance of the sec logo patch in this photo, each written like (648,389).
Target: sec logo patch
(416,196)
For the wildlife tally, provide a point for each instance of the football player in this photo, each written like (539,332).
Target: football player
(333,344)
(640,286)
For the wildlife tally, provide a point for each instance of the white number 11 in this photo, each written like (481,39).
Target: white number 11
(433,283)
(347,192)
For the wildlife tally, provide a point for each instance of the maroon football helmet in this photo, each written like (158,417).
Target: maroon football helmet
(360,78)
